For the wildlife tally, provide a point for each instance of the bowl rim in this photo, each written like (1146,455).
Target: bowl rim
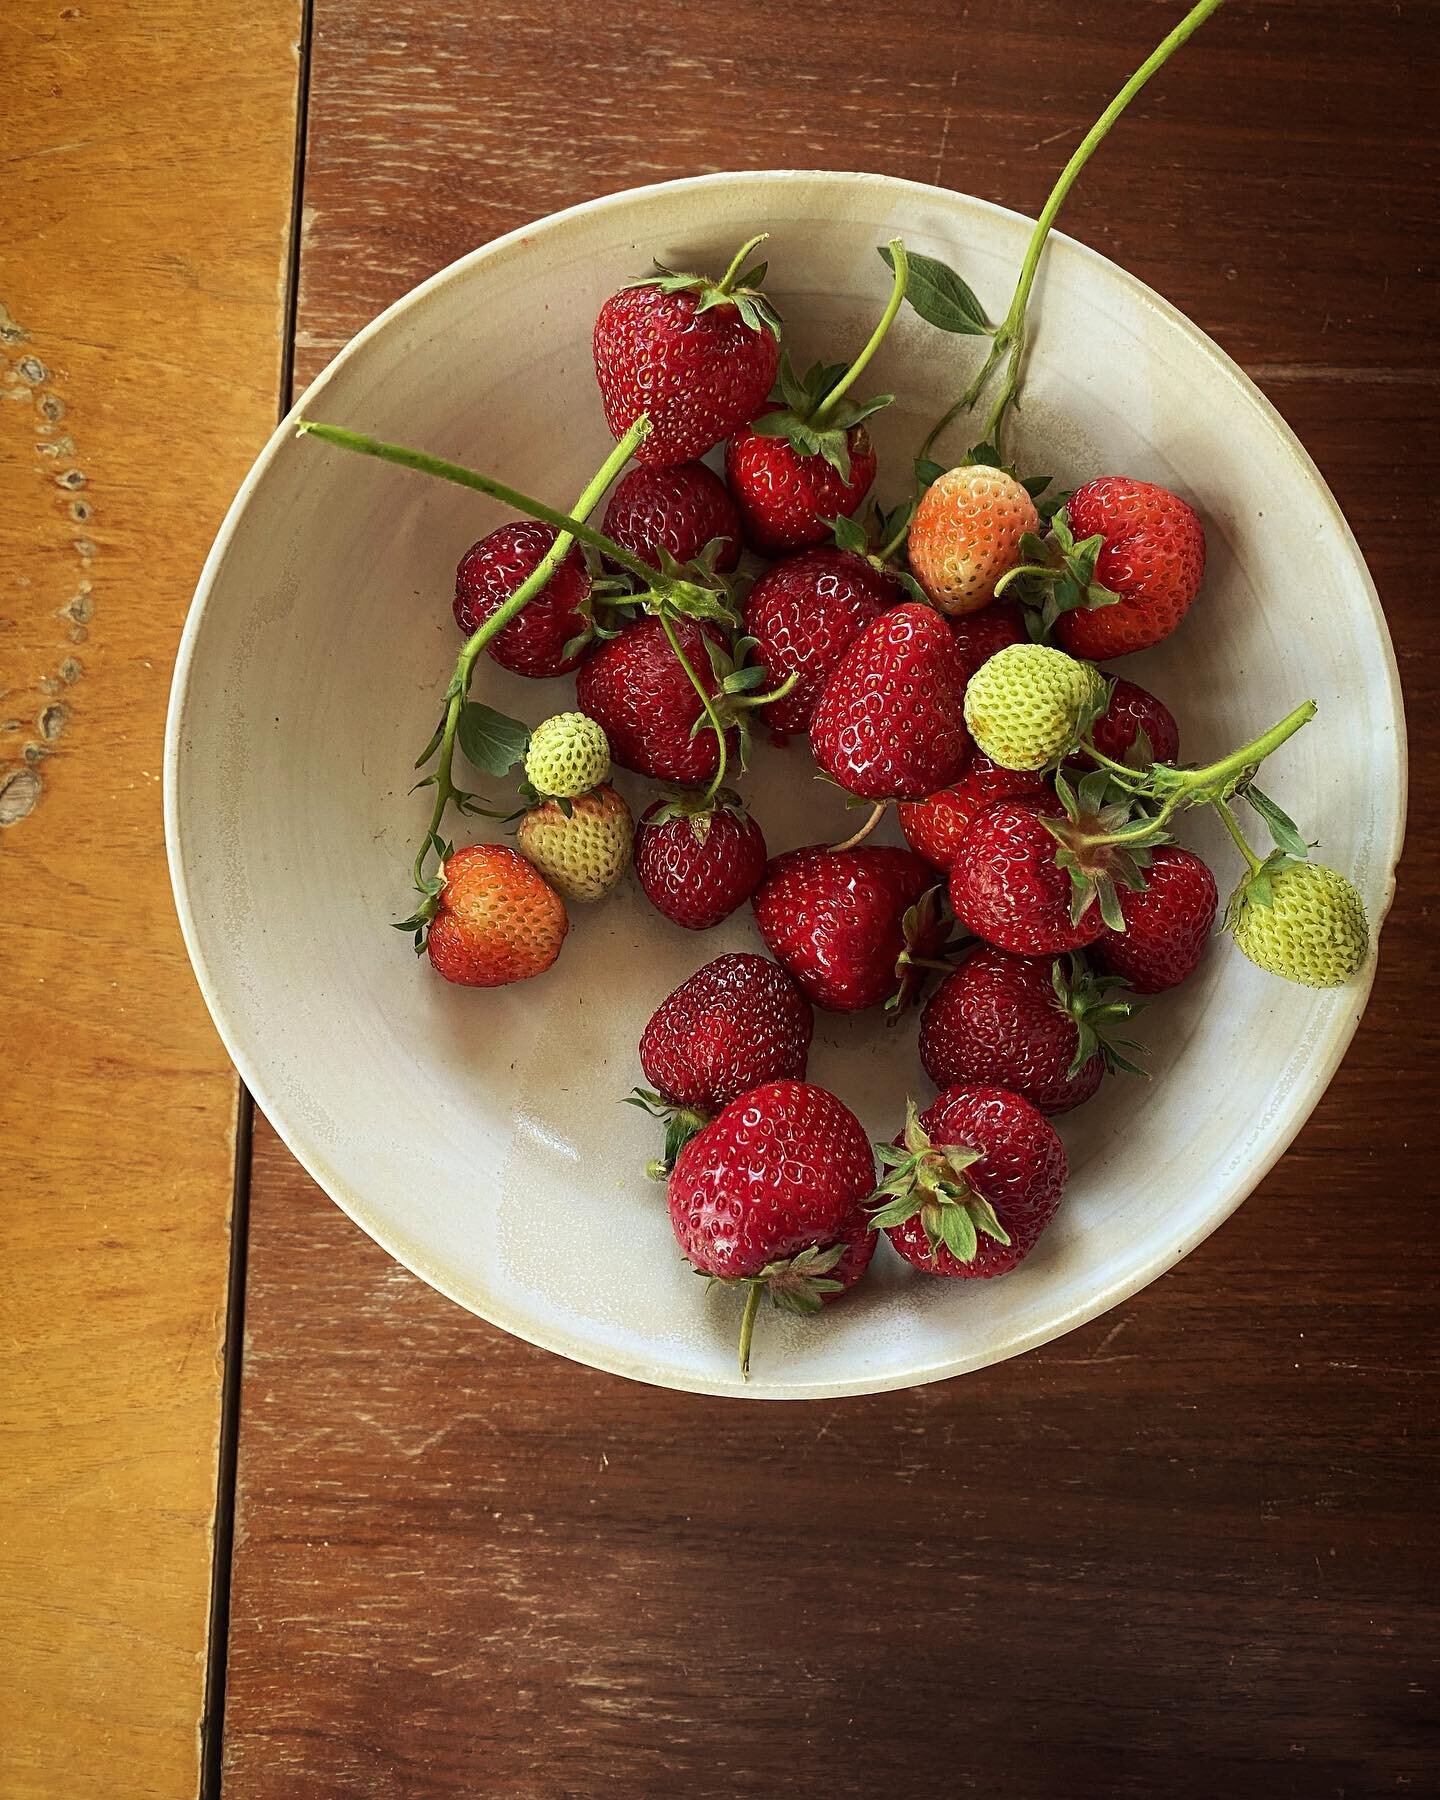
(1306,1094)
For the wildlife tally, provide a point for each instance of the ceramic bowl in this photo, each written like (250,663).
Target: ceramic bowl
(479,1135)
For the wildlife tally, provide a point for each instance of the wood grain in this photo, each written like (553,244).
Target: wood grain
(147,194)
(1185,1550)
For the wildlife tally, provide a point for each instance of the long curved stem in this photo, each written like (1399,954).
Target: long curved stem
(737,263)
(718,779)
(877,337)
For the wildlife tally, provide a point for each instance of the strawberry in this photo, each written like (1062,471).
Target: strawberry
(1167,924)
(804,614)
(1040,1026)
(636,690)
(890,722)
(567,756)
(771,1194)
(787,497)
(1300,920)
(1136,727)
(934,827)
(980,634)
(850,925)
(966,534)
(1007,887)
(736,1023)
(552,635)
(580,846)
(971,1183)
(699,357)
(697,860)
(1133,555)
(678,511)
(1029,705)
(496,919)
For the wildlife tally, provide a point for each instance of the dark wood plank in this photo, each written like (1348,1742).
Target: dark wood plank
(1184,1550)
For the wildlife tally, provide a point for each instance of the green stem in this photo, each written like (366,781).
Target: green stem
(718,780)
(737,263)
(884,554)
(877,337)
(425,464)
(1232,825)
(1010,334)
(498,620)
(747,1326)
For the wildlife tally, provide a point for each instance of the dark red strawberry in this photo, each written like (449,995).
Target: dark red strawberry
(636,690)
(771,1194)
(699,357)
(971,1183)
(849,924)
(1135,720)
(1150,553)
(804,614)
(890,724)
(1007,887)
(734,1024)
(1167,926)
(1041,1026)
(696,861)
(980,634)
(934,827)
(678,510)
(786,497)
(556,619)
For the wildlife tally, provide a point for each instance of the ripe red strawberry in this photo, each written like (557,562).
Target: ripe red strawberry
(971,1183)
(1006,886)
(934,827)
(697,863)
(804,614)
(890,723)
(698,356)
(1167,926)
(636,691)
(1152,554)
(1041,1026)
(786,497)
(848,924)
(1133,711)
(980,634)
(678,510)
(771,1194)
(497,920)
(734,1024)
(556,619)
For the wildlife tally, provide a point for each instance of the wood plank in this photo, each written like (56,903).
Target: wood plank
(148,188)
(1184,1550)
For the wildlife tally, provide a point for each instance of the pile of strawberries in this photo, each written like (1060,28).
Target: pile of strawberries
(939,659)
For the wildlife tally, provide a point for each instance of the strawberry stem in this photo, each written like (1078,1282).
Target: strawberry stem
(741,257)
(877,813)
(877,337)
(1009,336)
(1232,825)
(718,780)
(747,1326)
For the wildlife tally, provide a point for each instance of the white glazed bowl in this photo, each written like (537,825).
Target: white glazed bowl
(477,1135)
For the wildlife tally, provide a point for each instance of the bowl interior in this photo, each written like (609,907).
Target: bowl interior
(478,1135)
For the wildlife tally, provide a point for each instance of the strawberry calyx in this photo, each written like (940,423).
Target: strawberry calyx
(729,709)
(1096,1004)
(699,810)
(918,927)
(930,1180)
(739,287)
(799,1284)
(880,543)
(681,1124)
(1056,575)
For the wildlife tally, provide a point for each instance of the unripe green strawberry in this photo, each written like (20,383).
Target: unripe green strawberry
(568,755)
(1028,705)
(1303,921)
(580,846)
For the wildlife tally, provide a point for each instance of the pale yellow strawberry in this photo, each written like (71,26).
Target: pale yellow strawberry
(584,853)
(568,755)
(1027,706)
(1305,922)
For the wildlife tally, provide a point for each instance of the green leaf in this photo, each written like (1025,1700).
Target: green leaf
(849,534)
(1283,829)
(940,296)
(490,740)
(1035,485)
(928,472)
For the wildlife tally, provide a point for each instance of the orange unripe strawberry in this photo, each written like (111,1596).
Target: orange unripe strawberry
(966,534)
(497,921)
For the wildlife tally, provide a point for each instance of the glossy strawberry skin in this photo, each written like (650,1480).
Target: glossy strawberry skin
(834,919)
(498,919)
(784,1167)
(680,510)
(890,723)
(1134,709)
(489,573)
(785,497)
(1006,888)
(995,1021)
(804,614)
(699,375)
(934,827)
(1167,927)
(979,635)
(636,691)
(1153,558)
(1022,1173)
(734,1024)
(697,877)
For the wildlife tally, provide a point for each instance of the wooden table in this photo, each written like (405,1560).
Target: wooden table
(1184,1550)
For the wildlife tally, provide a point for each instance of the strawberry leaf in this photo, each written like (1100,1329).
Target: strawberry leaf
(940,296)
(490,740)
(1283,829)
